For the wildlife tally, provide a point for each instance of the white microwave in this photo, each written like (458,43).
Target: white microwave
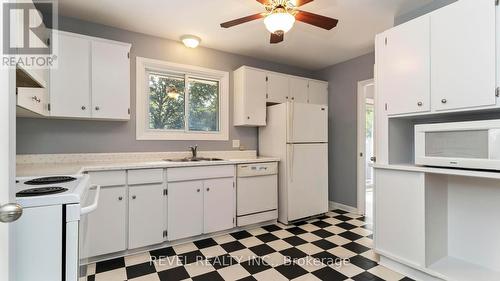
(468,145)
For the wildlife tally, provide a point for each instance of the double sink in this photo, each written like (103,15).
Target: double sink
(194,159)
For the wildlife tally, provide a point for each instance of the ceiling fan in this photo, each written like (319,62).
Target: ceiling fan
(280,16)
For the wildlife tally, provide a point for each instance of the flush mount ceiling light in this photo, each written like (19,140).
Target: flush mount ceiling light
(191,41)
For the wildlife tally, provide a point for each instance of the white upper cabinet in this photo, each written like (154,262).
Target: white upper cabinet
(70,80)
(254,88)
(92,79)
(405,71)
(318,92)
(463,55)
(250,89)
(110,80)
(299,88)
(277,88)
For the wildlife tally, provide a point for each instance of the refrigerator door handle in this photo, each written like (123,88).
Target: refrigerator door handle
(291,161)
(292,116)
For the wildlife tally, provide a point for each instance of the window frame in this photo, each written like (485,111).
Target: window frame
(145,66)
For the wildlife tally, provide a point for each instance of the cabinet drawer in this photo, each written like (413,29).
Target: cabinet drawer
(108,178)
(195,173)
(145,176)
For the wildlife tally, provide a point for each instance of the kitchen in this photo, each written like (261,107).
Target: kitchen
(148,153)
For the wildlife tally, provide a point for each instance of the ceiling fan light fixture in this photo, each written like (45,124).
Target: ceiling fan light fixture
(279,22)
(191,41)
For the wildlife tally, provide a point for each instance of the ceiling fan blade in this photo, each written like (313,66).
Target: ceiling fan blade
(263,2)
(299,3)
(242,20)
(277,38)
(316,20)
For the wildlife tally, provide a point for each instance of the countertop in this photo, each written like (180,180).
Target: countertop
(48,169)
(442,171)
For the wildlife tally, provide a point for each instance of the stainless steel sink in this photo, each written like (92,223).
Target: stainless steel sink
(192,159)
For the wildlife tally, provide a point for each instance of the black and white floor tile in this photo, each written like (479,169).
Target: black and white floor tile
(333,247)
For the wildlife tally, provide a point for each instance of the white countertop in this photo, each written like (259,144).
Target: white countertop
(443,171)
(47,169)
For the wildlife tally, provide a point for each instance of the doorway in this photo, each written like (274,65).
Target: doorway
(366,146)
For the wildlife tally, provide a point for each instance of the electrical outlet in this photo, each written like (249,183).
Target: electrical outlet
(236,143)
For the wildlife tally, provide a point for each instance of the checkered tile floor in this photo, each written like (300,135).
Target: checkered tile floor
(333,247)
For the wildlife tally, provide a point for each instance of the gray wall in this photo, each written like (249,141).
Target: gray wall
(434,5)
(71,136)
(342,135)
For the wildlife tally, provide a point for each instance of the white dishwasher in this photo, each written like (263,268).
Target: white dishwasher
(257,193)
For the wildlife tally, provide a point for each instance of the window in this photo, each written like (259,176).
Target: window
(181,102)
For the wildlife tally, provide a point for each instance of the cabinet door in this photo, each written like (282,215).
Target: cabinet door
(405,67)
(463,55)
(400,214)
(146,215)
(70,80)
(106,226)
(299,89)
(219,205)
(255,97)
(110,80)
(185,209)
(277,88)
(318,93)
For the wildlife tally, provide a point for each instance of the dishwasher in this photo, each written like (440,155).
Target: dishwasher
(256,193)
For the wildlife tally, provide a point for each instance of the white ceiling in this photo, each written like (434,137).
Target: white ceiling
(305,46)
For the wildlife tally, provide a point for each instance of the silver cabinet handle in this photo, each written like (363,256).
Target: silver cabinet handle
(420,103)
(97,108)
(36,99)
(198,190)
(444,101)
(208,188)
(248,117)
(120,198)
(134,197)
(10,212)
(84,107)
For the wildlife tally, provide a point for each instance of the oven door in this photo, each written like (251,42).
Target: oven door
(76,233)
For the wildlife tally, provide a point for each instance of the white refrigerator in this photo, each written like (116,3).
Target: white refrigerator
(297,133)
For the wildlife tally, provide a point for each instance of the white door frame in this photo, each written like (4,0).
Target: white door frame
(7,162)
(361,142)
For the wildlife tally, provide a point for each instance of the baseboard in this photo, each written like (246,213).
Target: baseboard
(334,205)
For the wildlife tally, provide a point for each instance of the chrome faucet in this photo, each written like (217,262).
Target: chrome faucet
(194,151)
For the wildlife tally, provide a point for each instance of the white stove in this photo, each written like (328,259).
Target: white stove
(53,209)
(53,190)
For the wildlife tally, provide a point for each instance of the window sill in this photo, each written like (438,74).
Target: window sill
(152,135)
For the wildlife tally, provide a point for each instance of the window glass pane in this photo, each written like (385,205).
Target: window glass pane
(203,105)
(166,102)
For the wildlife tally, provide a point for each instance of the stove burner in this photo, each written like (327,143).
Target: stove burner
(49,180)
(41,191)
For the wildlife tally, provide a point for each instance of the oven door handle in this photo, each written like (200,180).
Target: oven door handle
(93,207)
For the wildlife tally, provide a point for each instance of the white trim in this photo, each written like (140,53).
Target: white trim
(142,131)
(361,153)
(334,205)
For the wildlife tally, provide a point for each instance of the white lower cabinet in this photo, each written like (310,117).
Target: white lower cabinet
(400,215)
(147,216)
(106,226)
(219,207)
(200,200)
(201,206)
(185,209)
